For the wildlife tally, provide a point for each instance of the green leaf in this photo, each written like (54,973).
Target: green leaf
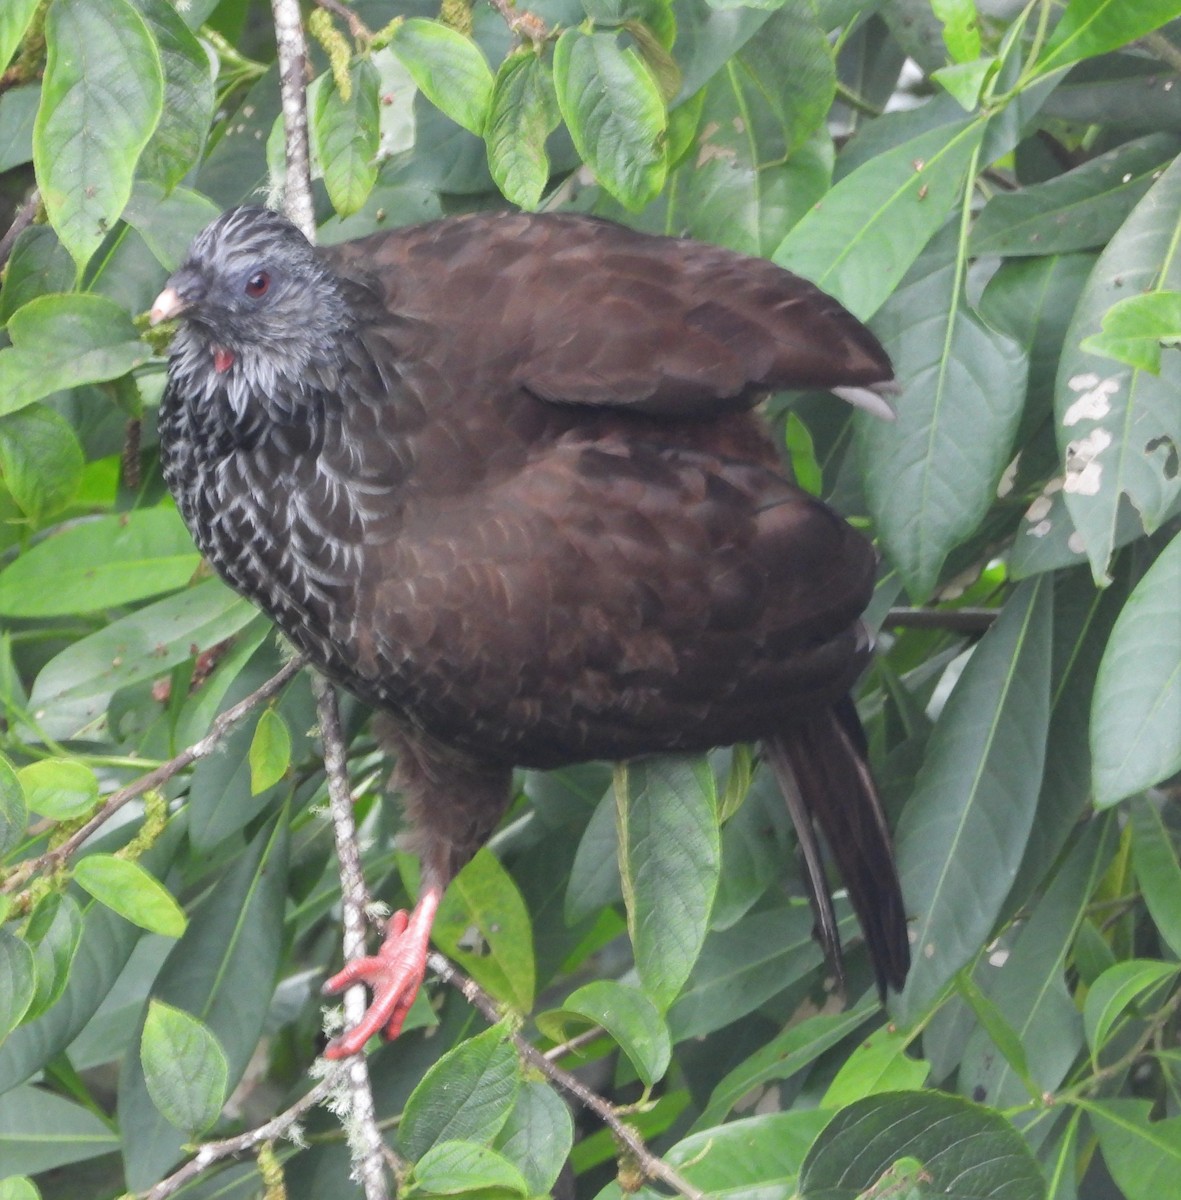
(104,946)
(1135,328)
(455,1168)
(168,223)
(74,688)
(270,751)
(783,1056)
(1144,1156)
(18,113)
(1077,210)
(742,967)
(749,1158)
(55,932)
(879,1064)
(626,1014)
(14,812)
(132,892)
(669,862)
(99,564)
(187,112)
(19,1187)
(184,1067)
(101,99)
(1158,871)
(39,266)
(965,1151)
(961,28)
(965,81)
(59,342)
(17,981)
(1135,733)
(40,1131)
(1002,1035)
(523,113)
(961,836)
(1118,428)
(346,136)
(863,237)
(1090,27)
(15,16)
(467,1095)
(59,788)
(931,475)
(1029,990)
(537,1136)
(805,467)
(41,460)
(484,898)
(223,971)
(449,68)
(1115,991)
(615,112)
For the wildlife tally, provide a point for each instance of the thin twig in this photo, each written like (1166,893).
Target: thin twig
(20,222)
(647,1162)
(360,31)
(364,1135)
(276,1127)
(293,52)
(221,725)
(957,620)
(525,26)
(554,1053)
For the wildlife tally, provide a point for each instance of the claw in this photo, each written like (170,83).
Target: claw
(394,975)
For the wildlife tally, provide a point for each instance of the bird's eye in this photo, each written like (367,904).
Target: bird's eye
(257,285)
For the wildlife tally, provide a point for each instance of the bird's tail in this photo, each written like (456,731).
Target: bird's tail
(822,768)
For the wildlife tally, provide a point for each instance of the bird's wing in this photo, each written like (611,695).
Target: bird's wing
(614,600)
(579,311)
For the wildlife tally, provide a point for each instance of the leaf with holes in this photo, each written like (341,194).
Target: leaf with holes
(1119,429)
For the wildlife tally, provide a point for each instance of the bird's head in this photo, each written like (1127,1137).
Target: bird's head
(253,295)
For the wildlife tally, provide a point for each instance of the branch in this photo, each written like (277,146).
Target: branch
(361,32)
(222,724)
(647,1162)
(20,222)
(525,26)
(276,1127)
(361,1120)
(958,620)
(293,53)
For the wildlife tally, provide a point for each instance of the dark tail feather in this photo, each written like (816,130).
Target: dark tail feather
(821,767)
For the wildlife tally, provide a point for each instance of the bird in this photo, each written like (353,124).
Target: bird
(501,476)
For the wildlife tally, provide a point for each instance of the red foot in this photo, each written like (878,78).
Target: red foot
(394,975)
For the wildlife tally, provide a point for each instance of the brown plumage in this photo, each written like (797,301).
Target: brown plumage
(499,477)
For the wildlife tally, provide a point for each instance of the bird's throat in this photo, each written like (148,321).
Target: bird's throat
(223,359)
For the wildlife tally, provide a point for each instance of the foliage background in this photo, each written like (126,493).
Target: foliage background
(995,187)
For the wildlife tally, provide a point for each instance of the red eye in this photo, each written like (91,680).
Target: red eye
(256,285)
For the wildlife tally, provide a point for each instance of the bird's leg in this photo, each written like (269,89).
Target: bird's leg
(393,974)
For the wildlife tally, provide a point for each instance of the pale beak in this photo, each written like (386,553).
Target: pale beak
(169,304)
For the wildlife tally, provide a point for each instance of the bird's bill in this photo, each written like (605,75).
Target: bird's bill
(168,304)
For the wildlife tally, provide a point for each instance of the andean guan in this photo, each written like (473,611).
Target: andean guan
(499,476)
